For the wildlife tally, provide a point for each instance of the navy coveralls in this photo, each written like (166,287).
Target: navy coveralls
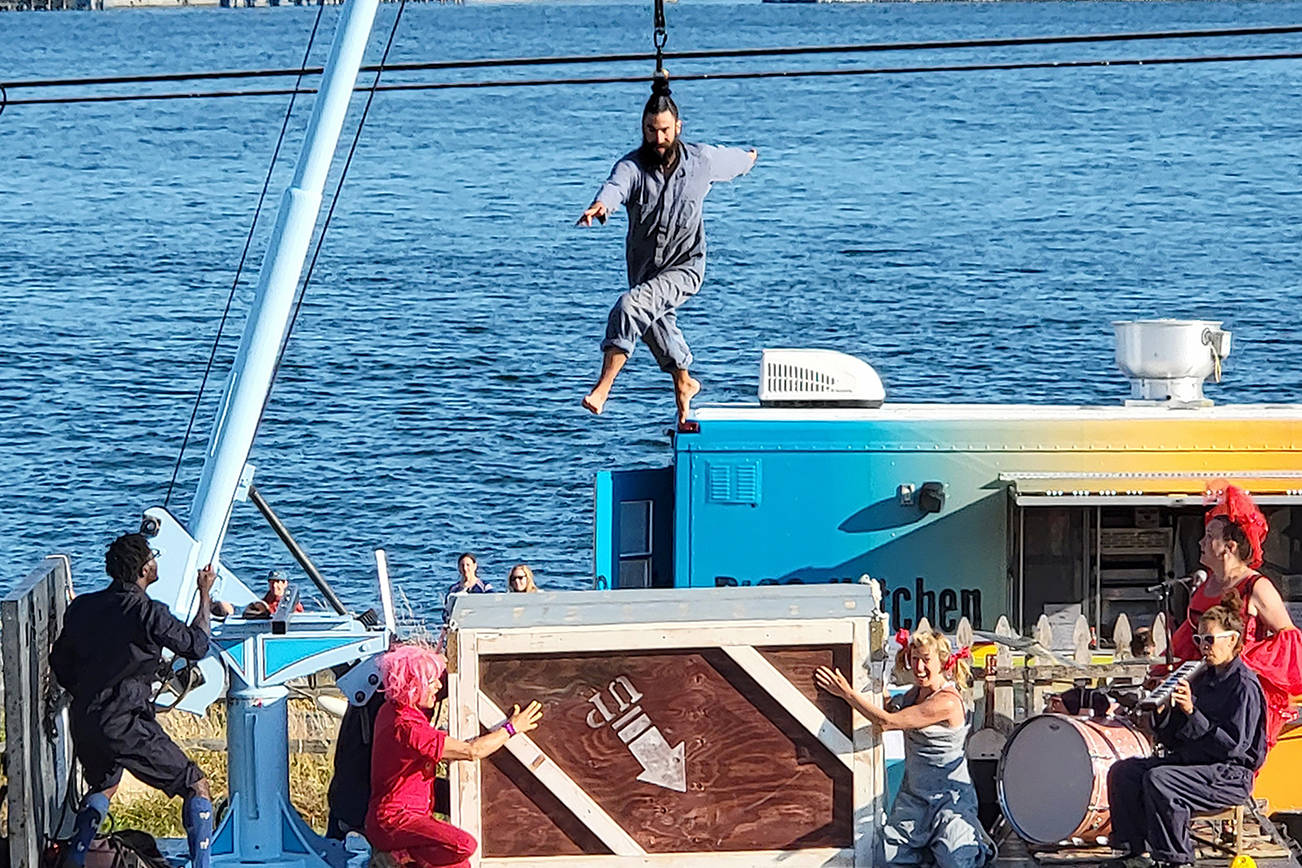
(107,656)
(1211,757)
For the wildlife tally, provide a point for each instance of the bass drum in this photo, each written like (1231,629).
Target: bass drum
(1053,775)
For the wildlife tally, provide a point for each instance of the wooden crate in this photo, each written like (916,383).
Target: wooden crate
(37,741)
(681,727)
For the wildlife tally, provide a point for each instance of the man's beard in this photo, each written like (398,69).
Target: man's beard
(653,158)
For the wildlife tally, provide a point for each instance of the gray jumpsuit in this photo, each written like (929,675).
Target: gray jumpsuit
(665,246)
(934,819)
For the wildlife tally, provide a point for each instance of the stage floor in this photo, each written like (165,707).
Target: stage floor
(1013,853)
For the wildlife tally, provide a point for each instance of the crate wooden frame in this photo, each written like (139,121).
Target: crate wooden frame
(862,752)
(38,740)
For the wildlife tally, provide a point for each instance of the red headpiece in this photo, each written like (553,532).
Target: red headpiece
(964,653)
(1234,504)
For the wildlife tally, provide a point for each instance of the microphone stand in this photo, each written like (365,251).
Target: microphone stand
(1164,594)
(1163,590)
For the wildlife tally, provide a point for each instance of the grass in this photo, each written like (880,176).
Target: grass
(139,807)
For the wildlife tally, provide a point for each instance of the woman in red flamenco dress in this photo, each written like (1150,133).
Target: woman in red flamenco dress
(406,749)
(1231,549)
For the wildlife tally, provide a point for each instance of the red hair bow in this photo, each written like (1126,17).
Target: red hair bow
(902,637)
(964,653)
(1234,504)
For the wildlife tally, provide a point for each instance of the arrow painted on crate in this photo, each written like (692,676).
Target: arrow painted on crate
(662,765)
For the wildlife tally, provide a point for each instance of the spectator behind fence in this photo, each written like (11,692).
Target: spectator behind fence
(468,582)
(520,580)
(277,585)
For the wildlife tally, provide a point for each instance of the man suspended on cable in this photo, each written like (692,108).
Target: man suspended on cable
(108,656)
(663,185)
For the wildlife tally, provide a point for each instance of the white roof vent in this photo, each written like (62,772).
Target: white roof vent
(1168,359)
(817,378)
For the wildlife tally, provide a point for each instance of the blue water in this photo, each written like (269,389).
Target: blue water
(970,234)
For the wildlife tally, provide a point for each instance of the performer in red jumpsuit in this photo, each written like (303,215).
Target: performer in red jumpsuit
(1232,553)
(407,748)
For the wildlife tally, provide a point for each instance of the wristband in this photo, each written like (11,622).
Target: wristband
(510,730)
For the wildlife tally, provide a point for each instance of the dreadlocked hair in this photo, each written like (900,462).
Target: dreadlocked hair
(408,671)
(126,557)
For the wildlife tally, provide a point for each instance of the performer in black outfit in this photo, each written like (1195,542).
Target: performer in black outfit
(1215,737)
(107,656)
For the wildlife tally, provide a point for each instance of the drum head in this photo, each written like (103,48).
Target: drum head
(1046,779)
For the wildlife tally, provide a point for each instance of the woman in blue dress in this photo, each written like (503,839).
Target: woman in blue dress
(933,821)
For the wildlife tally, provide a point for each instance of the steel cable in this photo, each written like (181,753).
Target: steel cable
(705,54)
(660,36)
(330,212)
(244,255)
(705,76)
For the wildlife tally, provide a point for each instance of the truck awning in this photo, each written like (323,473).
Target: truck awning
(1268,488)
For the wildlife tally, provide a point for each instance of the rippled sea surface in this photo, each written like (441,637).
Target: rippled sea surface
(971,234)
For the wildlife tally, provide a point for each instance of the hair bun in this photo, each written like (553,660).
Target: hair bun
(1233,599)
(660,84)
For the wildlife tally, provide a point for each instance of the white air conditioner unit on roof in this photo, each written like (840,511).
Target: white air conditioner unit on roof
(817,378)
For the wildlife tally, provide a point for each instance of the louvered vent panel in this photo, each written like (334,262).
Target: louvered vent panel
(748,483)
(719,487)
(733,482)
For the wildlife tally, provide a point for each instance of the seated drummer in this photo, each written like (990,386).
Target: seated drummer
(1215,738)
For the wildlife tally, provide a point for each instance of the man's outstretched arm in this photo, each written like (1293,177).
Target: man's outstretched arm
(613,193)
(728,163)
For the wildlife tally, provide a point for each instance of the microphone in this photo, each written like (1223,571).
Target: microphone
(1196,577)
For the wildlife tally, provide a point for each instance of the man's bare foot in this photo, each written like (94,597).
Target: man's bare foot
(685,388)
(612,361)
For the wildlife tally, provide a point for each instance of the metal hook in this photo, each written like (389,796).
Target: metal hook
(661,36)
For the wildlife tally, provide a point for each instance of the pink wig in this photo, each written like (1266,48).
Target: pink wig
(408,671)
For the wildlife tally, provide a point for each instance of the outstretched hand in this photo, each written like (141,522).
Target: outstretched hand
(832,681)
(596,209)
(524,721)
